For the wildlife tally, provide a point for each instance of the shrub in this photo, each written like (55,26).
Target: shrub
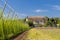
(30,23)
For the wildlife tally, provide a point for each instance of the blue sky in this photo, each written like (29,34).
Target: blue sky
(50,8)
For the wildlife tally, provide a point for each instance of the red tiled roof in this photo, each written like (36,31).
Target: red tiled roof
(36,18)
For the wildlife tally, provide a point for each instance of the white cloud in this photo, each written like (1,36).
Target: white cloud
(38,10)
(56,7)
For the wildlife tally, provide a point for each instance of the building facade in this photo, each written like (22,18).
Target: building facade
(36,20)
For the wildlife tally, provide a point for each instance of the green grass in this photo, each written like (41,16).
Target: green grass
(43,34)
(9,28)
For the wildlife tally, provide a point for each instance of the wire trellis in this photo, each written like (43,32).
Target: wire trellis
(8,11)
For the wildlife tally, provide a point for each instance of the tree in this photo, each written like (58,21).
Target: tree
(30,23)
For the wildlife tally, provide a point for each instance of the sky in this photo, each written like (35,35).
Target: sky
(50,8)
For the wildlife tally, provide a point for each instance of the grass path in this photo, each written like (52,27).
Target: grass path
(43,34)
(40,34)
(21,36)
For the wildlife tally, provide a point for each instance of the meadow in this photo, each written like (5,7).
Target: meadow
(43,34)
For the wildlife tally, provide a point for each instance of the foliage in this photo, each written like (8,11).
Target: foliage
(11,27)
(30,23)
(51,22)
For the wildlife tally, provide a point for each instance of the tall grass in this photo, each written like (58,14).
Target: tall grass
(11,27)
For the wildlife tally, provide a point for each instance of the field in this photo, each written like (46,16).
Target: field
(9,28)
(43,34)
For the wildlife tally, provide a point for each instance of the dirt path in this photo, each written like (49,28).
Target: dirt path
(39,34)
(21,37)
